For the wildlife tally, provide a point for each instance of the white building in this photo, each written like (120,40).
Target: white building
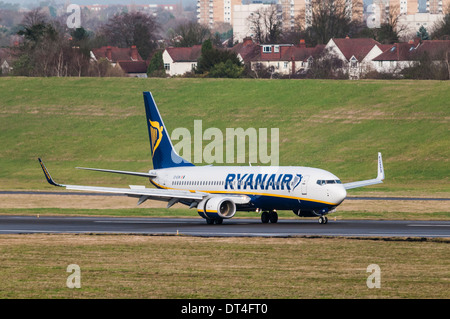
(356,54)
(178,61)
(411,23)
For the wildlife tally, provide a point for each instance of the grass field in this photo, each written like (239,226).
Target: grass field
(34,266)
(335,125)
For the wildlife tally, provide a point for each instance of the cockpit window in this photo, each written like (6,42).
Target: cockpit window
(329,181)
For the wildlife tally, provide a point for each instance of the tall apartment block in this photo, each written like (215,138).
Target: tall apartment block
(210,12)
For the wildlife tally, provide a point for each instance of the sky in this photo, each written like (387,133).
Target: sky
(87,2)
(422,3)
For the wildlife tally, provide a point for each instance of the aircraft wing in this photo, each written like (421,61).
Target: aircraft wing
(143,193)
(134,191)
(378,180)
(119,172)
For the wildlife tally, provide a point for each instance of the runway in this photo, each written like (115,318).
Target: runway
(230,228)
(63,193)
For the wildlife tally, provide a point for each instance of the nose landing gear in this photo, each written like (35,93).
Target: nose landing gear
(323,220)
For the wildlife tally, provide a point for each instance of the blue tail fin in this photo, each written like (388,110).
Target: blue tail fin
(163,153)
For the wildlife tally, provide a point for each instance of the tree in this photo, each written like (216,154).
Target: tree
(134,28)
(326,19)
(423,34)
(156,66)
(226,70)
(189,34)
(218,62)
(45,50)
(386,34)
(427,67)
(442,29)
(266,25)
(327,66)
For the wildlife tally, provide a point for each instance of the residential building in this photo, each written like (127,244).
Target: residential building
(115,54)
(356,54)
(411,14)
(6,60)
(403,55)
(128,59)
(135,69)
(5,68)
(290,11)
(212,12)
(283,59)
(409,24)
(246,50)
(178,61)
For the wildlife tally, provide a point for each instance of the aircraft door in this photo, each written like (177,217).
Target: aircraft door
(303,185)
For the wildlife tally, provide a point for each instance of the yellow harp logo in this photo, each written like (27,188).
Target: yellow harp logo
(156,135)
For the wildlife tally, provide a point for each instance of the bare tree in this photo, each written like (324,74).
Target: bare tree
(189,34)
(134,28)
(33,17)
(326,19)
(266,25)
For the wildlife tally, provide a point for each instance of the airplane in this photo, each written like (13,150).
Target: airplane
(218,192)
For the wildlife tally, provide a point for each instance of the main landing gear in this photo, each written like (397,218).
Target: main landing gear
(269,217)
(217,221)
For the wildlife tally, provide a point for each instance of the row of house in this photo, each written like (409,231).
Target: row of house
(127,59)
(359,56)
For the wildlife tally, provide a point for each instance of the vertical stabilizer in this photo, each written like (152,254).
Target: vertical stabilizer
(163,153)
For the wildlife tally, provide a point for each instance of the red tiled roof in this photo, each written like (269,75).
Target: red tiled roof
(133,66)
(247,49)
(358,47)
(303,53)
(436,49)
(288,53)
(185,54)
(117,54)
(397,52)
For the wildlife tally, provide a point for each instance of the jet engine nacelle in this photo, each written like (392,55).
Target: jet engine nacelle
(216,207)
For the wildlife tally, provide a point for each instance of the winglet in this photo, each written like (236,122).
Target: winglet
(378,180)
(47,175)
(380,175)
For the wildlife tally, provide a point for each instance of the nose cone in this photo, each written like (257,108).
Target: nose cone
(339,194)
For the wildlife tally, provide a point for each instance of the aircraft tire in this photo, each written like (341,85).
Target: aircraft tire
(265,217)
(273,217)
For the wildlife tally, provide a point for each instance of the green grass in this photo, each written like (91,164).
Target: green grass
(186,213)
(34,266)
(335,125)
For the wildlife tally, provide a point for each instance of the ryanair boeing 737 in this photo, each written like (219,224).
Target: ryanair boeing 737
(217,192)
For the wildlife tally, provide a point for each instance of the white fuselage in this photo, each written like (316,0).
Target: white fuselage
(286,188)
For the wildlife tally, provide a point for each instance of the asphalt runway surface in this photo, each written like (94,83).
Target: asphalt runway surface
(235,227)
(63,193)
